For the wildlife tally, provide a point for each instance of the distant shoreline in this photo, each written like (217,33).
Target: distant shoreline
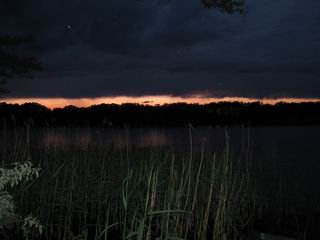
(149,100)
(167,115)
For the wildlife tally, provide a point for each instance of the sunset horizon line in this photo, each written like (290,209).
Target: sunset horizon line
(59,102)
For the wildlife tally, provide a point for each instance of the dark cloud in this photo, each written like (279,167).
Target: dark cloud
(104,48)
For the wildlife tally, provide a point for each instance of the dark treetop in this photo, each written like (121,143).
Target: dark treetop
(180,114)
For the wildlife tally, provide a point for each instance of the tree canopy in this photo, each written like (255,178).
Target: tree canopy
(167,115)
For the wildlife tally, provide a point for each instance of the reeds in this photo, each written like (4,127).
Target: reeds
(145,193)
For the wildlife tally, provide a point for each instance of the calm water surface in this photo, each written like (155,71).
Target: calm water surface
(281,155)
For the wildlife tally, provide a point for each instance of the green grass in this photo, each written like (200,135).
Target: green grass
(137,193)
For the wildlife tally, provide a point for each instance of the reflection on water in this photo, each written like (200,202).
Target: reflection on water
(279,153)
(293,141)
(290,154)
(287,143)
(53,139)
(118,138)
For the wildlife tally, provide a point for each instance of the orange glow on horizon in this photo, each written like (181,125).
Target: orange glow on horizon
(147,100)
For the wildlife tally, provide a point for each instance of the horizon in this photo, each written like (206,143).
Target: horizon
(53,103)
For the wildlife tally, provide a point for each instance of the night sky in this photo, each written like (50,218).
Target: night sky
(102,48)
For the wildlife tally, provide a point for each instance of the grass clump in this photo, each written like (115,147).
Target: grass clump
(140,193)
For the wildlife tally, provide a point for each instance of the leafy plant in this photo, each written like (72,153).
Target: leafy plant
(10,178)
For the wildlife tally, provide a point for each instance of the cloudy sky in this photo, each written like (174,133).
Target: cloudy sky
(102,48)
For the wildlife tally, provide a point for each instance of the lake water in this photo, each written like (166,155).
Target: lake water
(281,155)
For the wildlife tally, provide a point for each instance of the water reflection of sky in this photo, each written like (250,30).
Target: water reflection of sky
(272,139)
(119,138)
(54,139)
(289,152)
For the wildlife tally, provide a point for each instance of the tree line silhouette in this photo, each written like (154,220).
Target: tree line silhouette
(167,115)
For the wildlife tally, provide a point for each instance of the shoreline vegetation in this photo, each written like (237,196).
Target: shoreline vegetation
(167,115)
(152,193)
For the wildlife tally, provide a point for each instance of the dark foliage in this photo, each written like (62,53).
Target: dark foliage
(168,115)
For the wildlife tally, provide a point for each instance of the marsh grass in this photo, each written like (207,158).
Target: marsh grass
(137,193)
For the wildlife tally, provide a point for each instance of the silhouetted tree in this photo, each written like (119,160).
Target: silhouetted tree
(13,64)
(167,115)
